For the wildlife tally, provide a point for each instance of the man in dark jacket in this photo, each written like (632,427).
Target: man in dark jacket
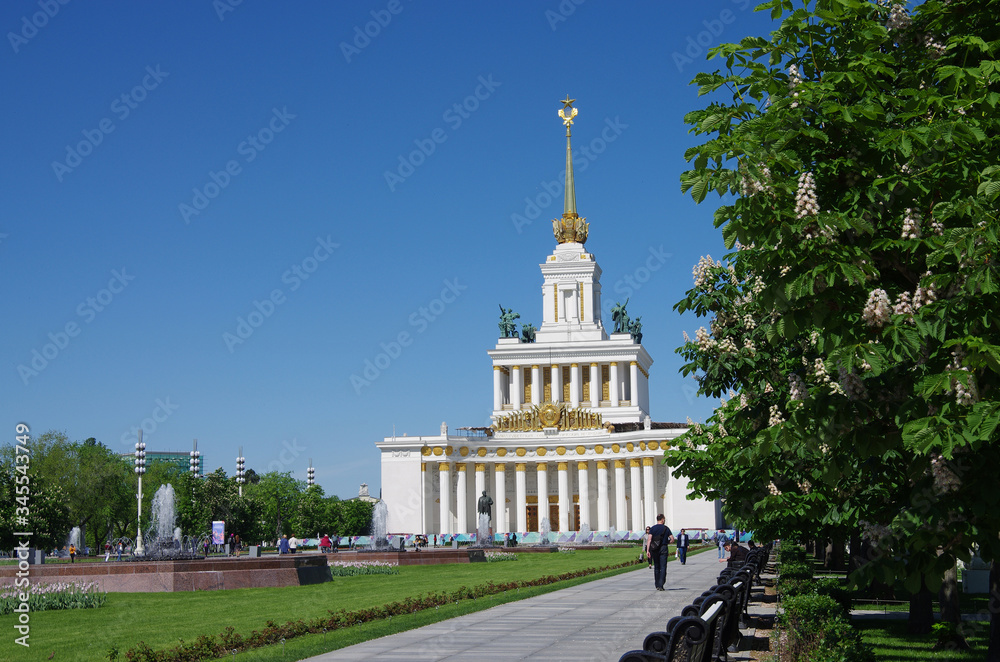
(682,547)
(656,548)
(737,555)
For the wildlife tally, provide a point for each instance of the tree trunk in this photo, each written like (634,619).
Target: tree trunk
(993,652)
(857,558)
(820,547)
(921,617)
(835,554)
(948,596)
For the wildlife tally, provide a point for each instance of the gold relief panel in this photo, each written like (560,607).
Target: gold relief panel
(448,450)
(580,450)
(426,450)
(481,452)
(629,447)
(615,448)
(501,452)
(576,498)
(438,450)
(561,450)
(531,498)
(652,446)
(521,452)
(553,498)
(463,451)
(541,451)
(642,445)
(599,449)
(423,466)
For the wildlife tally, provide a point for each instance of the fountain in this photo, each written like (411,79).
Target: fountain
(483,536)
(380,516)
(544,529)
(583,534)
(163,539)
(74,539)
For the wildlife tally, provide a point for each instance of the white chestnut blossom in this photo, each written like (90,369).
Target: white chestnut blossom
(899,18)
(911,224)
(945,480)
(903,306)
(701,271)
(936,226)
(924,295)
(806,204)
(877,311)
(775,416)
(794,80)
(852,386)
(797,387)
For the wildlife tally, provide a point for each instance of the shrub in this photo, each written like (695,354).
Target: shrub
(795,571)
(791,555)
(818,631)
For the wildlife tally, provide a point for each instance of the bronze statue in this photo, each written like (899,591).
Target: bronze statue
(485,505)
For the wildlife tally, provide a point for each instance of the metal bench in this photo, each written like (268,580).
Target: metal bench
(688,638)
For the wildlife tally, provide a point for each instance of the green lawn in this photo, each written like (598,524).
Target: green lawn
(892,643)
(162,619)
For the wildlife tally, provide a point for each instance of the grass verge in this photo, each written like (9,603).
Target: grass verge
(892,643)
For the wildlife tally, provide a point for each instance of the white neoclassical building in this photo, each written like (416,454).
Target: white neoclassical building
(572,439)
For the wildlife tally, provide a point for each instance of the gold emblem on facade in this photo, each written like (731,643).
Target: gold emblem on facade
(549,415)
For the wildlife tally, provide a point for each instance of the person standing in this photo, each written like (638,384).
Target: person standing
(283,545)
(720,541)
(293,542)
(72,553)
(682,547)
(656,549)
(120,550)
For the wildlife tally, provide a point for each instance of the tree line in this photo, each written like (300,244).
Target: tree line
(86,484)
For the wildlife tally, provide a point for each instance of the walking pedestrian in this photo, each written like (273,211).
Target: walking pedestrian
(657,548)
(682,547)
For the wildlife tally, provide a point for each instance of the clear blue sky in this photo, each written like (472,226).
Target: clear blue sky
(275,125)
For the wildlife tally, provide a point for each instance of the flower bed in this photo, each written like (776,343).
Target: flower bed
(354,568)
(496,557)
(60,595)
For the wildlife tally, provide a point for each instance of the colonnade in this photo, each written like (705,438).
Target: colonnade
(586,387)
(624,501)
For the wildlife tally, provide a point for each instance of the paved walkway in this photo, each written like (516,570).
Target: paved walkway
(598,620)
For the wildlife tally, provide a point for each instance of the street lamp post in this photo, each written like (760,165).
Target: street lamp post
(241,463)
(311,474)
(195,460)
(140,468)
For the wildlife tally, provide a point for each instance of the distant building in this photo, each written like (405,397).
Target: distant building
(363,495)
(571,438)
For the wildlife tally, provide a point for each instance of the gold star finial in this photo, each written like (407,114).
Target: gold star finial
(567,112)
(567,102)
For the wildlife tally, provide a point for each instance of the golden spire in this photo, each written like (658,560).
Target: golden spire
(571,227)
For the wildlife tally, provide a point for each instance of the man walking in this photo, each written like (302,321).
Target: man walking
(682,547)
(656,549)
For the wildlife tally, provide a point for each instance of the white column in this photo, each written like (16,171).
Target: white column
(603,505)
(520,498)
(536,385)
(517,397)
(584,490)
(649,488)
(426,500)
(613,386)
(543,492)
(556,383)
(621,512)
(637,522)
(497,392)
(565,502)
(461,499)
(480,484)
(575,387)
(500,502)
(633,395)
(445,496)
(595,386)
